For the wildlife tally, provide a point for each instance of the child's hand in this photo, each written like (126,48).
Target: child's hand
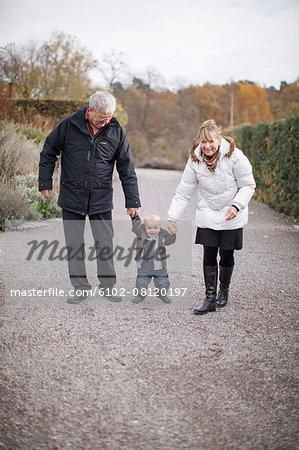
(172,228)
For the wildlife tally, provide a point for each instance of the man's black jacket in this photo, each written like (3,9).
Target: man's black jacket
(87,164)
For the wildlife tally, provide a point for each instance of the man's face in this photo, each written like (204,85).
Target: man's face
(152,228)
(98,119)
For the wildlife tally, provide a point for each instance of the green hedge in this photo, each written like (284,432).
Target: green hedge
(57,109)
(273,150)
(24,110)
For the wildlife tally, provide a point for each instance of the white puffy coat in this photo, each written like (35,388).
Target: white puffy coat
(232,183)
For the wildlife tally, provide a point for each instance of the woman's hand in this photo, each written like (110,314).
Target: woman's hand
(172,228)
(231,213)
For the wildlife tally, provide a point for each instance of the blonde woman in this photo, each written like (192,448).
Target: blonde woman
(223,176)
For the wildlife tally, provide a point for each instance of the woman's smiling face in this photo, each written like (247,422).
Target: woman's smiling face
(210,146)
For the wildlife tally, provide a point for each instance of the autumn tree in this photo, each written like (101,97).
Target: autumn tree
(285,101)
(56,69)
(147,84)
(65,65)
(289,98)
(251,104)
(114,68)
(20,66)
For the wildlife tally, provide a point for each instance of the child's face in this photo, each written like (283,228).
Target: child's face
(152,228)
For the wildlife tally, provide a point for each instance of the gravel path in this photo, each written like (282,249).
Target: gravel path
(101,375)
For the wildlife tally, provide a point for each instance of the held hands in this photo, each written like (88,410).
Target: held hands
(47,193)
(231,213)
(132,212)
(172,228)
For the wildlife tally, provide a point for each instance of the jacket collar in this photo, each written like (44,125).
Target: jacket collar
(78,119)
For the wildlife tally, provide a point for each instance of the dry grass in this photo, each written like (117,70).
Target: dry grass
(19,159)
(13,204)
(18,155)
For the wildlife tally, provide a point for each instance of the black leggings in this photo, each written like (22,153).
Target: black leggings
(210,256)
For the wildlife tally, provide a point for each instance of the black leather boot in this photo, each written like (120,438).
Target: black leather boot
(209,304)
(224,278)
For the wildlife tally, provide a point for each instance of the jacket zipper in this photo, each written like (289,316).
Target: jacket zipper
(88,160)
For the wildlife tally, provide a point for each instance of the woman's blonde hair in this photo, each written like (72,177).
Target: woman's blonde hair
(207,132)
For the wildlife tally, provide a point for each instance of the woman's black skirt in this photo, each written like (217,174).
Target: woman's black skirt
(225,239)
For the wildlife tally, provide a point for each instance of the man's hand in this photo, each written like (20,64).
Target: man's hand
(231,213)
(172,228)
(132,212)
(47,193)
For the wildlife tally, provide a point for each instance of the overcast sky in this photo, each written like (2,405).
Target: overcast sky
(194,41)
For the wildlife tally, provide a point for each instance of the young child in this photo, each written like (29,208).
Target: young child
(151,256)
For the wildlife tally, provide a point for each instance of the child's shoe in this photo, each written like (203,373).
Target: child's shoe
(164,299)
(137,299)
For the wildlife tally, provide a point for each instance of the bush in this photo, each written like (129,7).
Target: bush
(19,159)
(26,131)
(13,205)
(18,156)
(284,142)
(40,208)
(273,150)
(47,113)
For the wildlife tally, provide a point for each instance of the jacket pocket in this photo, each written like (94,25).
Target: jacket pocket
(71,193)
(72,183)
(104,152)
(104,185)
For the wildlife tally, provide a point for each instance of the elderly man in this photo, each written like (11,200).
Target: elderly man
(90,142)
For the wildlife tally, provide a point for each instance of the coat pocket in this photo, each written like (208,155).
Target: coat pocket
(71,193)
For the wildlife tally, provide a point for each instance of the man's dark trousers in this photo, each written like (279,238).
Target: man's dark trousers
(102,231)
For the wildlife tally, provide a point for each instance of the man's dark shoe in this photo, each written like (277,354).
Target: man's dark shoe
(77,298)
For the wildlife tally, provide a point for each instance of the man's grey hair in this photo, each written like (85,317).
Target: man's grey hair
(102,100)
